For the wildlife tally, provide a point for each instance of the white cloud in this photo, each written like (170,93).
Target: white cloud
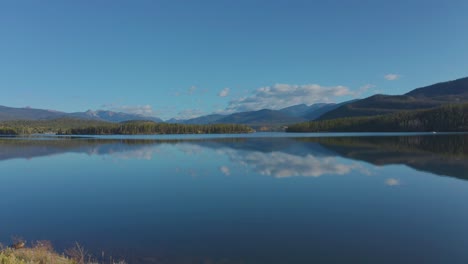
(146,110)
(224,92)
(392,77)
(283,95)
(225,170)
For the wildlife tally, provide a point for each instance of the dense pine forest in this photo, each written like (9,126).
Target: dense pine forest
(82,127)
(147,127)
(448,118)
(28,127)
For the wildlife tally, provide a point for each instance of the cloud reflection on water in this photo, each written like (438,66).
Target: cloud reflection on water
(392,182)
(276,164)
(282,165)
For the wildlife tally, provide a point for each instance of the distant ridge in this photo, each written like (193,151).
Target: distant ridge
(418,99)
(12,113)
(300,109)
(203,120)
(111,116)
(261,117)
(453,89)
(422,98)
(265,117)
(317,113)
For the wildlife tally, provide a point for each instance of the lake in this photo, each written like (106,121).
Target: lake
(260,198)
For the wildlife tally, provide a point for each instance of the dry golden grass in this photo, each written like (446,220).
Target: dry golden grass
(32,256)
(42,252)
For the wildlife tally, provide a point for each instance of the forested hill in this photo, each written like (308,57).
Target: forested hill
(452,90)
(422,98)
(149,127)
(448,118)
(26,127)
(91,127)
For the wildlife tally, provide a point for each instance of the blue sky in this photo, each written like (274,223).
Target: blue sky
(186,58)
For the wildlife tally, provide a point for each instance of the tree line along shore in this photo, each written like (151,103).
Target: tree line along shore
(447,118)
(87,127)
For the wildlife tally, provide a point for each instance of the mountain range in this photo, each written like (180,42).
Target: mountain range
(12,113)
(111,116)
(421,98)
(265,117)
(418,99)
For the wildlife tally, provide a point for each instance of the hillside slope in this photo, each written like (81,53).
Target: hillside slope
(422,98)
(12,113)
(261,117)
(111,116)
(32,114)
(447,118)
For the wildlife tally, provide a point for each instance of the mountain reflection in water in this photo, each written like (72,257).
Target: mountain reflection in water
(241,199)
(445,155)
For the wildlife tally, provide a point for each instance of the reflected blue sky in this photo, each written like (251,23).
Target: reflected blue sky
(239,200)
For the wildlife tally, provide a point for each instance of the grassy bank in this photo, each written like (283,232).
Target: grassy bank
(42,252)
(33,256)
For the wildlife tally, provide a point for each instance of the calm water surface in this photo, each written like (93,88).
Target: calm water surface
(241,199)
